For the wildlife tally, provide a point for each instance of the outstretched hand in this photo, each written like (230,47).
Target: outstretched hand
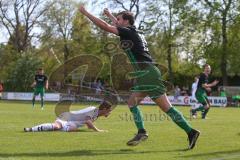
(106,12)
(100,130)
(82,9)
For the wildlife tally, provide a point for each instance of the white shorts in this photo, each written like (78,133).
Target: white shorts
(66,125)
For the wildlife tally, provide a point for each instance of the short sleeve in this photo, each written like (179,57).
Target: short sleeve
(93,113)
(202,78)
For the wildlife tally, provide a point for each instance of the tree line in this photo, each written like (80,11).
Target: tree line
(182,36)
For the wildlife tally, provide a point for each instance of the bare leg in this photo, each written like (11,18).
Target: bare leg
(135,99)
(163,103)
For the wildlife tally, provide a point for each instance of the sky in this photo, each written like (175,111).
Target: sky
(3,36)
(90,6)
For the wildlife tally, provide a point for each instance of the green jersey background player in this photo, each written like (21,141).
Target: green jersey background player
(202,88)
(149,81)
(40,84)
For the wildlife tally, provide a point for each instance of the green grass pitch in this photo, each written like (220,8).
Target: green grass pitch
(219,140)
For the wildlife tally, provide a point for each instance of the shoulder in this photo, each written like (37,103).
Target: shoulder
(92,112)
(124,28)
(90,108)
(122,31)
(202,75)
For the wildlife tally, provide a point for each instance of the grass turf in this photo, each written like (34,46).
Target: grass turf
(219,140)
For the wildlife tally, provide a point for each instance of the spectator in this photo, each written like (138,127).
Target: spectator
(184,91)
(99,86)
(1,89)
(236,100)
(222,92)
(177,92)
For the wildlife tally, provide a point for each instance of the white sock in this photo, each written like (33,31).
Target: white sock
(193,106)
(43,127)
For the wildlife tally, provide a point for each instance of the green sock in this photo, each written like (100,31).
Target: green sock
(42,102)
(178,118)
(205,113)
(138,117)
(201,108)
(33,101)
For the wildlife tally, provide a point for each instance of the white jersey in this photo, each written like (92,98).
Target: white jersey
(77,118)
(194,89)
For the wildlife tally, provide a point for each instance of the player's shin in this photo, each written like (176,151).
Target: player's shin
(204,113)
(138,118)
(33,101)
(42,102)
(178,118)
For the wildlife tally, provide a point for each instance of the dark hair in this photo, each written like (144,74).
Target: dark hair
(40,69)
(126,15)
(105,105)
(110,99)
(206,65)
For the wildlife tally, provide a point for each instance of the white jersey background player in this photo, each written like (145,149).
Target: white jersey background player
(194,89)
(71,121)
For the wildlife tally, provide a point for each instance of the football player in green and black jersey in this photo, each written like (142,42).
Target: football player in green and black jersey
(40,84)
(202,88)
(148,76)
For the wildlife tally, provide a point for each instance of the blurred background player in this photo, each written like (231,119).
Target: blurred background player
(1,89)
(71,121)
(202,88)
(194,89)
(40,84)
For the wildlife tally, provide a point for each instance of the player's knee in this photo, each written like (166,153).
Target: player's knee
(130,105)
(71,129)
(206,106)
(57,126)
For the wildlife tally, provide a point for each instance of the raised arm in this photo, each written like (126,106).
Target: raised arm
(214,83)
(109,15)
(99,22)
(34,83)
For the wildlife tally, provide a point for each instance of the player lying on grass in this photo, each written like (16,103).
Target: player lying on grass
(71,121)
